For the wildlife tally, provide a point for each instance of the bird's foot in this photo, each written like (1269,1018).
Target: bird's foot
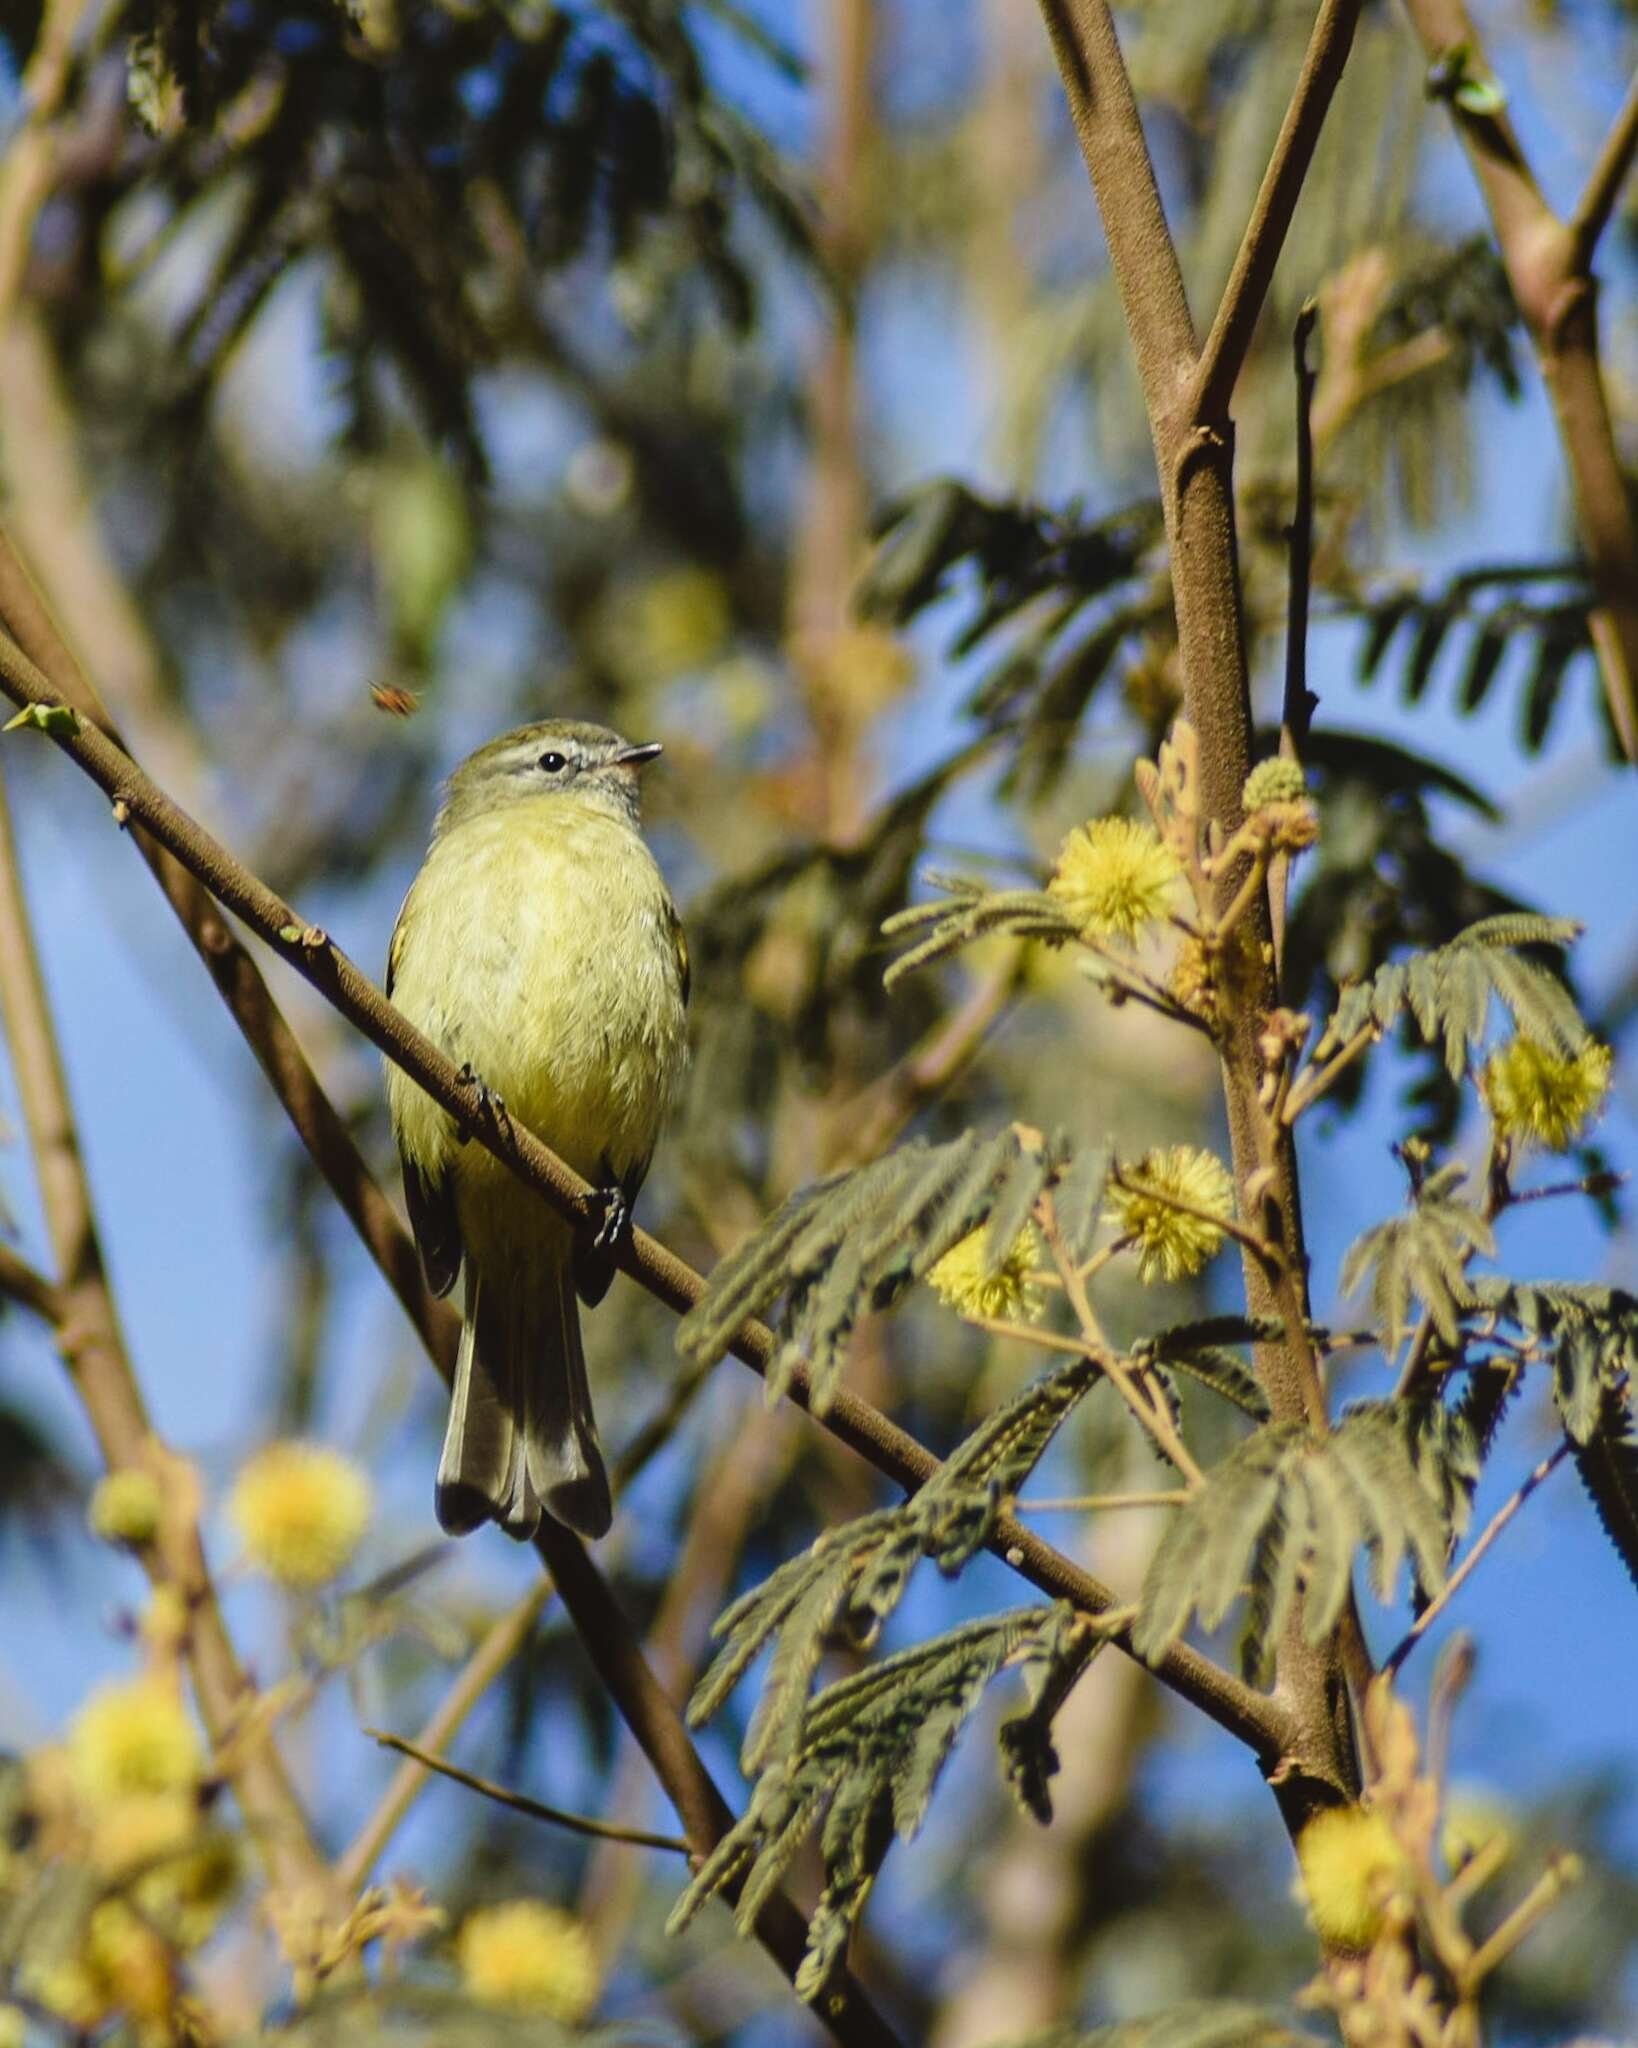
(491,1108)
(608,1217)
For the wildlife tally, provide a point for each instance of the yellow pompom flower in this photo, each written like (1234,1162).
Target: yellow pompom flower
(528,1958)
(1352,1865)
(142,1829)
(13,2027)
(134,1737)
(1539,1097)
(125,1508)
(1172,1243)
(1274,781)
(1114,877)
(1007,1293)
(300,1510)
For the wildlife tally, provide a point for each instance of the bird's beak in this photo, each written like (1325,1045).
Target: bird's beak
(634,757)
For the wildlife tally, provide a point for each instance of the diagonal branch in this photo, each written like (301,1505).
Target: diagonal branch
(93,1345)
(1547,268)
(239,982)
(1249,1715)
(1603,187)
(554,1816)
(1241,306)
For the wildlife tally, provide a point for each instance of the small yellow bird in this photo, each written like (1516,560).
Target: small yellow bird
(540,948)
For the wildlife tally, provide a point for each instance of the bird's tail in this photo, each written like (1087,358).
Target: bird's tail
(521,1433)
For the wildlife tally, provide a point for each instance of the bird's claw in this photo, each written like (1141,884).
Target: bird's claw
(612,1214)
(491,1107)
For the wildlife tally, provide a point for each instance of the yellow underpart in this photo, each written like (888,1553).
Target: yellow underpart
(538,945)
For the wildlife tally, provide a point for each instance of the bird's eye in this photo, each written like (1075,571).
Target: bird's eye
(553,764)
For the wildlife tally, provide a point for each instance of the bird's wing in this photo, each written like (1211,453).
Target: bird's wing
(431,1203)
(594,1266)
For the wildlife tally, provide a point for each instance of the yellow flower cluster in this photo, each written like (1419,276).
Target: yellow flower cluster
(300,1510)
(525,1957)
(125,1508)
(1007,1293)
(1274,781)
(1114,878)
(1539,1097)
(1173,1243)
(1351,1865)
(1278,805)
(135,1736)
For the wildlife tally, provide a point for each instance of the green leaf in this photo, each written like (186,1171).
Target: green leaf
(1422,1255)
(56,719)
(854,1243)
(1608,1464)
(1448,991)
(1284,1507)
(871,1749)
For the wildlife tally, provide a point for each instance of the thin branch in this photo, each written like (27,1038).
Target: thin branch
(1459,1577)
(1267,1255)
(1300,703)
(1597,202)
(239,982)
(1245,1713)
(1557,298)
(1224,354)
(94,1348)
(576,1823)
(21,1282)
(500,1645)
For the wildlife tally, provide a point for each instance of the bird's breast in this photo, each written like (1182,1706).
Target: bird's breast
(537,945)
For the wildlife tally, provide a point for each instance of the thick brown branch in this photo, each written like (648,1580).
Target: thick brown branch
(1245,1713)
(1243,296)
(1141,250)
(1195,457)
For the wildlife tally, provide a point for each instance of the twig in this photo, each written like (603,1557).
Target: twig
(871,1122)
(576,1823)
(1251,1716)
(21,1282)
(1300,703)
(94,1346)
(1267,1255)
(1147,1408)
(1225,351)
(1597,202)
(1459,1577)
(499,1646)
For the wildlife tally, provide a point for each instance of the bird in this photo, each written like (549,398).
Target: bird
(538,946)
